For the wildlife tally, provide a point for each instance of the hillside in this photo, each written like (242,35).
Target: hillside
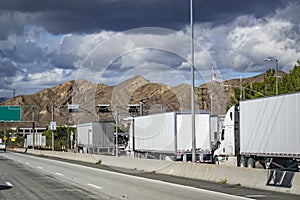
(155,97)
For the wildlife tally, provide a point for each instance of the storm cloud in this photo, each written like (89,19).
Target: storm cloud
(44,43)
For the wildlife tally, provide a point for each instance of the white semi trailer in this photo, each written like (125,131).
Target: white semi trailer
(168,136)
(262,132)
(39,141)
(95,137)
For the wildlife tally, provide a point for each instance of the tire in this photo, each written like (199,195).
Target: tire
(243,161)
(216,160)
(251,163)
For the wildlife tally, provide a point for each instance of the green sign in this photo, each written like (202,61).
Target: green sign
(10,113)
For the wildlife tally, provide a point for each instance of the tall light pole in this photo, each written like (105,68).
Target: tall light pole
(193,84)
(276,72)
(117,133)
(33,128)
(52,133)
(276,78)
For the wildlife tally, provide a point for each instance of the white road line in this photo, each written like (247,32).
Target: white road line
(95,186)
(256,195)
(9,184)
(59,174)
(40,167)
(27,163)
(147,179)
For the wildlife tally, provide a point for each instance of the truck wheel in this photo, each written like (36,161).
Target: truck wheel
(243,161)
(216,160)
(251,163)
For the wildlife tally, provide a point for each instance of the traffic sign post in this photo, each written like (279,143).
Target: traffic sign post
(10,113)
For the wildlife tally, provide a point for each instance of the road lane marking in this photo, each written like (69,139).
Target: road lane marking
(59,174)
(27,163)
(9,184)
(146,179)
(255,195)
(40,167)
(95,186)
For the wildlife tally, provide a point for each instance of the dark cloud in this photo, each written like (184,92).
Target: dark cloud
(26,52)
(64,61)
(7,69)
(46,42)
(66,16)
(218,11)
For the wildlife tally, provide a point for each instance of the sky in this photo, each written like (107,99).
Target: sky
(44,43)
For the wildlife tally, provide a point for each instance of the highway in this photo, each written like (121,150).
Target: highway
(24,176)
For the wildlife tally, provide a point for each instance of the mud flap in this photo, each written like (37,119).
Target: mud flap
(280,178)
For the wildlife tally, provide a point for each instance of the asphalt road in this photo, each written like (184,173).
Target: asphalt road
(24,176)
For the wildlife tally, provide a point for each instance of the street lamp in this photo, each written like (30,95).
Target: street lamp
(276,76)
(193,82)
(117,134)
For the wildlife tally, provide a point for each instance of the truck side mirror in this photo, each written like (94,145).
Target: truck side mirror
(222,134)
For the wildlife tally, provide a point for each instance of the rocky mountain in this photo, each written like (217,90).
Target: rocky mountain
(53,102)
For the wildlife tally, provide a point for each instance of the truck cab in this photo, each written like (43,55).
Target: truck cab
(229,137)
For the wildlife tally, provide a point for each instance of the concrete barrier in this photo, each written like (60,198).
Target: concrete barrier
(253,178)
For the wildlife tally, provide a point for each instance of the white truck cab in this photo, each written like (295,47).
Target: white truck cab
(228,146)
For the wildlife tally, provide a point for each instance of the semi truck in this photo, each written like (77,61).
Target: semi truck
(263,132)
(168,136)
(95,137)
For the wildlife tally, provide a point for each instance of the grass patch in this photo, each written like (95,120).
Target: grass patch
(224,181)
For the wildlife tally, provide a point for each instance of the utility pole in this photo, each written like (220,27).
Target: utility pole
(276,74)
(52,119)
(241,88)
(192,85)
(133,136)
(141,107)
(33,128)
(117,124)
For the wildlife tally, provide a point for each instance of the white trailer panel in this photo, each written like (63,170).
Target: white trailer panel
(84,133)
(184,131)
(270,125)
(155,132)
(95,134)
(171,132)
(39,140)
(216,124)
